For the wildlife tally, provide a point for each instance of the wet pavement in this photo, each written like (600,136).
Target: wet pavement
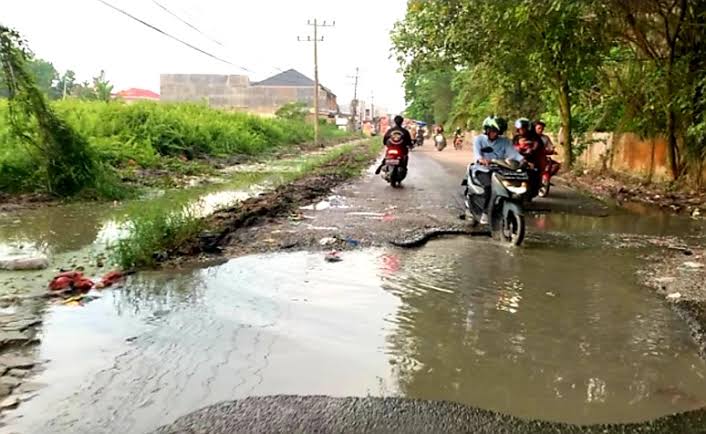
(559,330)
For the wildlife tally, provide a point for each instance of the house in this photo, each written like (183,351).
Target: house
(133,94)
(236,92)
(294,80)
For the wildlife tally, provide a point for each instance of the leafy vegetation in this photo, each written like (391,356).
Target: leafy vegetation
(296,111)
(582,65)
(148,135)
(62,157)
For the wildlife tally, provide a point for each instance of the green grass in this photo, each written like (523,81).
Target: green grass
(150,135)
(152,232)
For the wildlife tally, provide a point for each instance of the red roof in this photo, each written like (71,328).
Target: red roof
(134,93)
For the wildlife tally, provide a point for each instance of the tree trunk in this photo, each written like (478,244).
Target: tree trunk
(565,113)
(672,150)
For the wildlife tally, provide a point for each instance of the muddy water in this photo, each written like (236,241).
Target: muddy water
(557,330)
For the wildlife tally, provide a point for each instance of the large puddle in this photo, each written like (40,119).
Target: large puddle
(559,330)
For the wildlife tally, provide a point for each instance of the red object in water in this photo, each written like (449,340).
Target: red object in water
(110,278)
(70,279)
(391,263)
(59,283)
(69,274)
(83,284)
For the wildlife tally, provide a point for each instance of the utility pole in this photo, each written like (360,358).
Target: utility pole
(372,110)
(315,23)
(354,103)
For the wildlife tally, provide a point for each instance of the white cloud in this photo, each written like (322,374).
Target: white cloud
(87,36)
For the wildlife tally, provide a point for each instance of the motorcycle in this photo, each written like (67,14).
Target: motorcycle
(439,142)
(552,168)
(458,143)
(509,190)
(394,170)
(419,140)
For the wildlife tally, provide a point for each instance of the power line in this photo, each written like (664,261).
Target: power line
(186,22)
(171,36)
(201,32)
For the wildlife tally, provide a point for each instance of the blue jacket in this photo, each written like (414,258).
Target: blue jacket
(502,150)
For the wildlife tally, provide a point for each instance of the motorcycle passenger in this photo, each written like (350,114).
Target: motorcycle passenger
(502,149)
(406,141)
(531,146)
(539,126)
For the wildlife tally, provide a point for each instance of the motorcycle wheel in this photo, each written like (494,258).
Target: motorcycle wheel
(395,177)
(544,190)
(513,228)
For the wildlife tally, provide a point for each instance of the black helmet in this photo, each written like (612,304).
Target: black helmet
(398,120)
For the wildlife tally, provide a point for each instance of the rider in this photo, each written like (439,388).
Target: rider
(458,132)
(530,145)
(491,145)
(406,141)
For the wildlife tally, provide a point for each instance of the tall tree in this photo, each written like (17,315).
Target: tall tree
(102,87)
(65,85)
(656,30)
(550,42)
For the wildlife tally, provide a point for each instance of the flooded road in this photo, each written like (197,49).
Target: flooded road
(557,330)
(461,320)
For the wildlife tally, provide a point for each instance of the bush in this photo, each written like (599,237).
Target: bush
(119,134)
(293,111)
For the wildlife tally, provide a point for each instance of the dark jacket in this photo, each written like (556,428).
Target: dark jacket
(406,136)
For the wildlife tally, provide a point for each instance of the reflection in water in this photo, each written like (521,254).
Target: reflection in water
(169,343)
(599,349)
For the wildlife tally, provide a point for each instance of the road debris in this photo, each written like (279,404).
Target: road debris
(693,265)
(333,257)
(327,241)
(69,282)
(9,402)
(20,261)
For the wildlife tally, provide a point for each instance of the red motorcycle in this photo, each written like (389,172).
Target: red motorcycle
(458,143)
(394,167)
(551,168)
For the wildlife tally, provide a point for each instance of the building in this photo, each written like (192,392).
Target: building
(236,92)
(133,94)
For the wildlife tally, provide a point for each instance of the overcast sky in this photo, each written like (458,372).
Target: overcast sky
(260,35)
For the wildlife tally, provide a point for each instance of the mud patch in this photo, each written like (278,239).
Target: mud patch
(228,226)
(680,276)
(631,193)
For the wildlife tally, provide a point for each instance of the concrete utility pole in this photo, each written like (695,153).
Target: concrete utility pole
(315,23)
(354,103)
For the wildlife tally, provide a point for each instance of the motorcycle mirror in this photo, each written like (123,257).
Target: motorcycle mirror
(486,149)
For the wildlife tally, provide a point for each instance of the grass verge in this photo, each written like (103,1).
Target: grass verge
(153,236)
(129,142)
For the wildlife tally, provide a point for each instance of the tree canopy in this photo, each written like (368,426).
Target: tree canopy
(581,65)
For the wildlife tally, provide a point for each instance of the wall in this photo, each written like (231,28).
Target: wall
(236,92)
(625,153)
